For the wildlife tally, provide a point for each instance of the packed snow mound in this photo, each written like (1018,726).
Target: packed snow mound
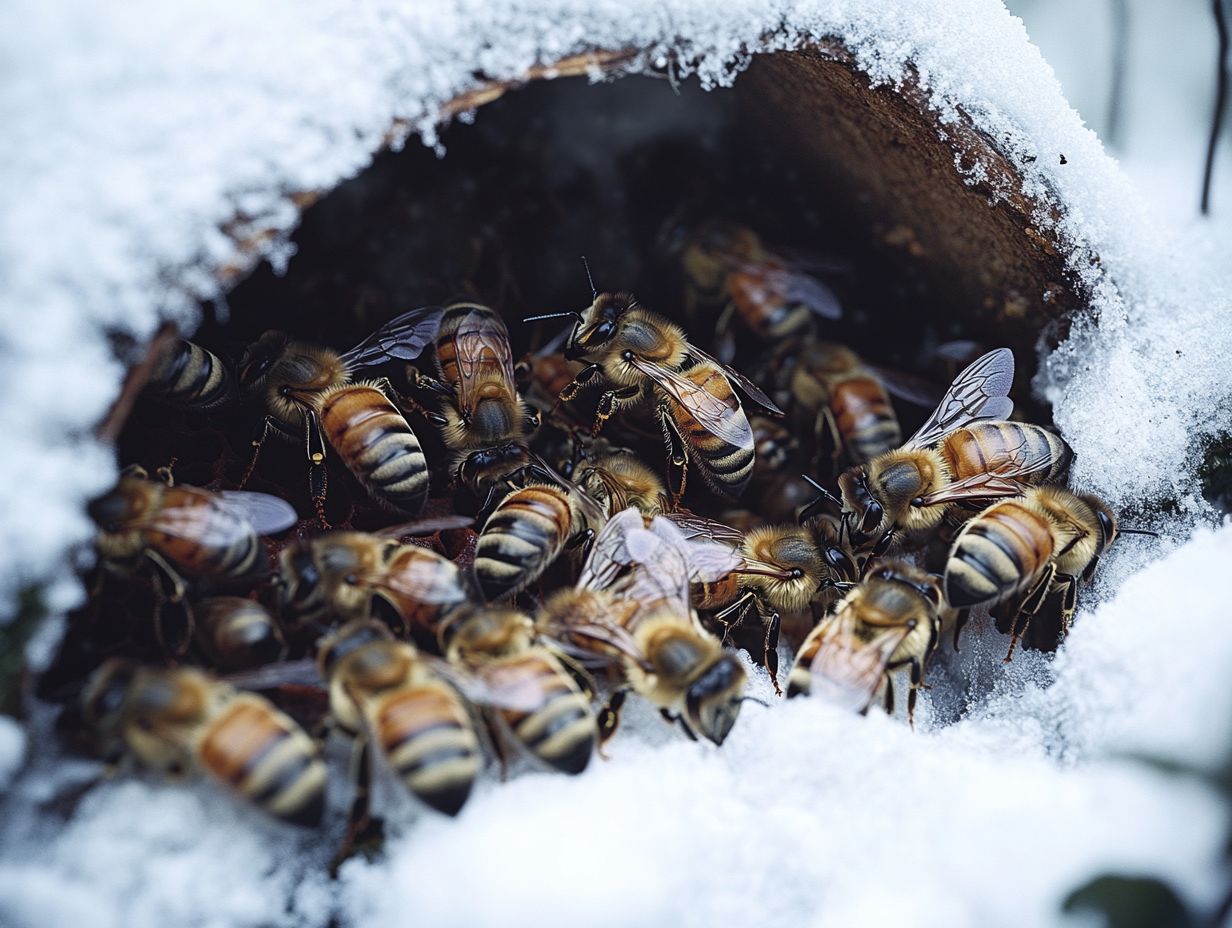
(135,136)
(806,814)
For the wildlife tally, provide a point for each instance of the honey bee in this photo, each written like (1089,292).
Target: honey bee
(853,416)
(184,533)
(618,480)
(646,358)
(342,576)
(376,443)
(480,403)
(726,265)
(528,688)
(239,633)
(292,379)
(528,530)
(183,720)
(630,613)
(1018,552)
(388,696)
(956,454)
(191,377)
(890,620)
(770,571)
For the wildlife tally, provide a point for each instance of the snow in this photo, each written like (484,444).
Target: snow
(135,132)
(12,750)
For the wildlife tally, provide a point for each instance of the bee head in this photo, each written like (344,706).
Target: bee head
(260,356)
(713,699)
(601,323)
(120,505)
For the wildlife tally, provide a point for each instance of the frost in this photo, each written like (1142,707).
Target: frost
(136,133)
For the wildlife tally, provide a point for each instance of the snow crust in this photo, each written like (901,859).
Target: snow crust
(135,132)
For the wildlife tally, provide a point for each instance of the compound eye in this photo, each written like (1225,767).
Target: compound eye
(1106,525)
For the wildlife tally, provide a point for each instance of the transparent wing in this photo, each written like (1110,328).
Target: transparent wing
(977,487)
(694,528)
(712,546)
(919,391)
(212,525)
(425,577)
(482,341)
(712,413)
(609,557)
(798,287)
(267,514)
(847,669)
(425,526)
(402,338)
(980,391)
(595,514)
(302,672)
(488,686)
(750,389)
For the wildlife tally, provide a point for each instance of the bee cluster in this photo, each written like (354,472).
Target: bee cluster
(606,517)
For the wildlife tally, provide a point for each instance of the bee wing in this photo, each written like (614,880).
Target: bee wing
(710,411)
(268,514)
(980,391)
(482,341)
(712,546)
(609,558)
(284,673)
(216,524)
(919,391)
(402,338)
(425,526)
(805,289)
(432,579)
(738,380)
(847,670)
(592,643)
(977,487)
(483,686)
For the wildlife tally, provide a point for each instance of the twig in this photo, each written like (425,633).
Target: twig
(1221,93)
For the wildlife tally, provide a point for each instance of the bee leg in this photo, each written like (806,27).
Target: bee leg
(165,473)
(673,719)
(582,542)
(733,615)
(1028,606)
(570,391)
(257,445)
(773,623)
(318,477)
(363,831)
(608,405)
(960,622)
(829,441)
(1068,586)
(677,457)
(609,718)
(889,695)
(169,588)
(917,684)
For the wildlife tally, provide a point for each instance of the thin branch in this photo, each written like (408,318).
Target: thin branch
(1221,94)
(1120,52)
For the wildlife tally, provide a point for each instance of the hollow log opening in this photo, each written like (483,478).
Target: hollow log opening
(856,181)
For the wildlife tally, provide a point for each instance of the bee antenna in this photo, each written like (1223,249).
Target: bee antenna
(575,315)
(760,702)
(822,490)
(1136,531)
(593,290)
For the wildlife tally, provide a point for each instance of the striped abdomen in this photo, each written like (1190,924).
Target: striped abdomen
(239,632)
(525,534)
(553,720)
(865,418)
(997,554)
(764,309)
(994,446)
(725,467)
(375,441)
(422,586)
(428,738)
(715,594)
(188,375)
(265,757)
(202,538)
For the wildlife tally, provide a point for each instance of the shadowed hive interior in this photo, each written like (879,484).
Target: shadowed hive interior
(853,179)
